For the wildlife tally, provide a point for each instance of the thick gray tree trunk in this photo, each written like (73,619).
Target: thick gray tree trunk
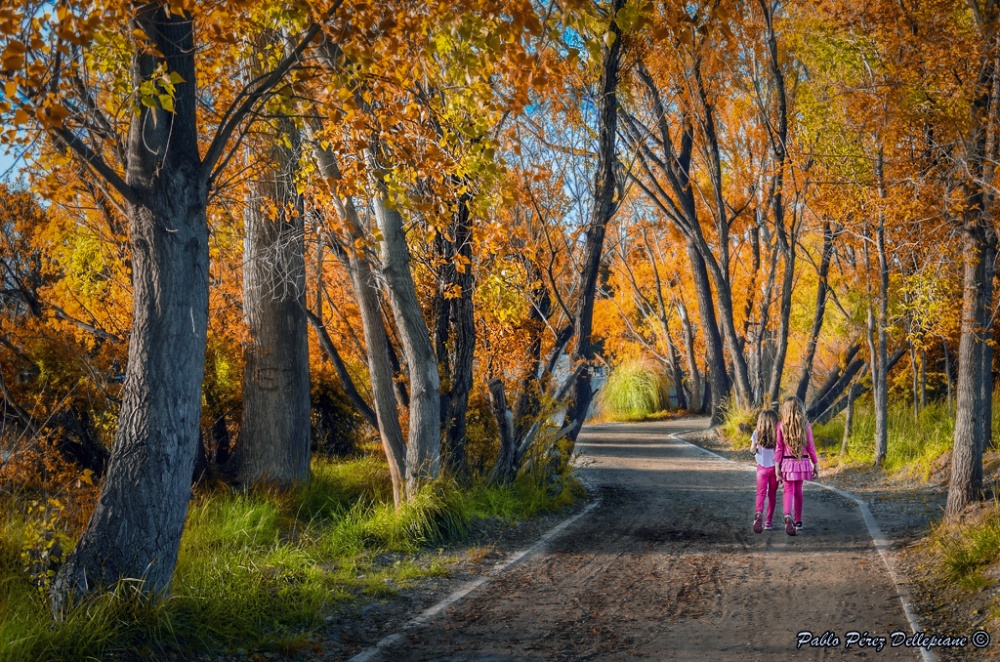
(970,422)
(274,440)
(135,529)
(717,374)
(973,416)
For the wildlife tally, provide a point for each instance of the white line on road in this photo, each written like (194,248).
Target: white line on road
(394,638)
(881,544)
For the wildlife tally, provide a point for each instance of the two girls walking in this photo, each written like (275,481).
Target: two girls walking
(785,453)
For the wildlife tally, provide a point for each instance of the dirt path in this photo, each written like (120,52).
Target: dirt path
(667,567)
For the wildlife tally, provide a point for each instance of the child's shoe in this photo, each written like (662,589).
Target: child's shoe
(798,525)
(758,523)
(789,525)
(768,525)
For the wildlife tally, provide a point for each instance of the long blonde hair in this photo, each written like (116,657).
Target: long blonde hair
(767,425)
(793,425)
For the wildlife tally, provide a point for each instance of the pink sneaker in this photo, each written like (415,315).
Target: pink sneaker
(768,525)
(758,523)
(789,525)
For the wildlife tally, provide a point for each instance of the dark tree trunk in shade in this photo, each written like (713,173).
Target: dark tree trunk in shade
(973,414)
(716,368)
(604,208)
(274,440)
(455,335)
(821,291)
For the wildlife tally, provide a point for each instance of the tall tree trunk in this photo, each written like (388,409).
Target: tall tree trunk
(784,316)
(947,374)
(455,336)
(135,529)
(880,359)
(377,349)
(274,442)
(423,448)
(973,416)
(966,459)
(687,332)
(604,208)
(716,367)
(852,394)
(786,236)
(821,291)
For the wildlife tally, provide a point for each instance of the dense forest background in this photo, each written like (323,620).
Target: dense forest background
(241,237)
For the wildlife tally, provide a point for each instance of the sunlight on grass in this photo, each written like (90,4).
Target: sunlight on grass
(967,550)
(913,445)
(738,423)
(635,391)
(263,571)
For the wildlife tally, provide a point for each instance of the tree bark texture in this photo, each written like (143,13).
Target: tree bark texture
(973,420)
(821,291)
(423,448)
(377,349)
(274,441)
(970,421)
(135,529)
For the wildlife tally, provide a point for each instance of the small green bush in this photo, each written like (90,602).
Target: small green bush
(738,423)
(634,391)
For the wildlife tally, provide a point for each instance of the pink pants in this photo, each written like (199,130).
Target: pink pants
(792,498)
(767,485)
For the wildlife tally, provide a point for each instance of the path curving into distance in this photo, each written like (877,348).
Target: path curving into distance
(666,567)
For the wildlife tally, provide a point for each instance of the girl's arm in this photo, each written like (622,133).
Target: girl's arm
(753,442)
(779,451)
(811,449)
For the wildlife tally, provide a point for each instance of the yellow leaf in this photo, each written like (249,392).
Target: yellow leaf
(10,89)
(21,116)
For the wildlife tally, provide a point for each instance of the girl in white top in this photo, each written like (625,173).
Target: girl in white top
(762,445)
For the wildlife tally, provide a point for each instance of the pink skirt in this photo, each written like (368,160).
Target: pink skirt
(800,469)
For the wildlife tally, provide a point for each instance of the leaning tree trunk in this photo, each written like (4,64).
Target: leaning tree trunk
(274,442)
(821,291)
(716,368)
(377,348)
(135,529)
(423,448)
(604,208)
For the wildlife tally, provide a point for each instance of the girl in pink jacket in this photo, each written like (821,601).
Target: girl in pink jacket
(795,457)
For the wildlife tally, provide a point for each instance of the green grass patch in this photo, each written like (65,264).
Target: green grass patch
(966,553)
(261,572)
(635,391)
(738,423)
(914,444)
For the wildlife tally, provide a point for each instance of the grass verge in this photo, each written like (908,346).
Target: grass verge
(261,572)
